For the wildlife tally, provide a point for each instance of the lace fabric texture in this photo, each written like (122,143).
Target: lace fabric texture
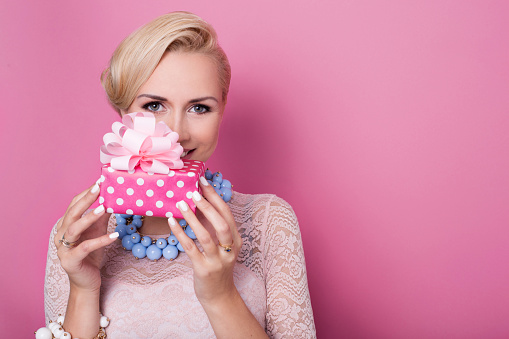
(147,299)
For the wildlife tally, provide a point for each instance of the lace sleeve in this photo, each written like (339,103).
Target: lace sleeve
(56,283)
(289,312)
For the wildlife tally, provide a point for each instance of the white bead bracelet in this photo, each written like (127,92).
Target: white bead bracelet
(55,330)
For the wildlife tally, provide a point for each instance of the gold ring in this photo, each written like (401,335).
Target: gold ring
(227,248)
(67,243)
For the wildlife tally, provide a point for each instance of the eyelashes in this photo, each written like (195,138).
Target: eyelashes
(157,107)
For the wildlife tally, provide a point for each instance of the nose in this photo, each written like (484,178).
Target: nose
(178,123)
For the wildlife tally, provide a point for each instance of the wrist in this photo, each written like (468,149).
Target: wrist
(220,303)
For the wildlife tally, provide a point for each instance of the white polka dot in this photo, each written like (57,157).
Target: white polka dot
(110,190)
(159,204)
(111,170)
(183,171)
(150,193)
(102,178)
(195,165)
(139,202)
(120,201)
(180,183)
(120,180)
(140,181)
(169,214)
(189,195)
(171,174)
(177,204)
(109,210)
(149,213)
(160,183)
(197,184)
(191,174)
(169,194)
(129,211)
(130,191)
(130,171)
(150,173)
(101,200)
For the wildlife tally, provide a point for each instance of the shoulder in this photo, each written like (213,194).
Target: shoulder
(266,211)
(242,203)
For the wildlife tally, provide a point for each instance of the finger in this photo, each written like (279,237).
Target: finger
(223,230)
(217,202)
(73,201)
(75,230)
(81,204)
(203,236)
(187,243)
(81,251)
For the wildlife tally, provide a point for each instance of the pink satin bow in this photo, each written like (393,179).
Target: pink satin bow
(138,139)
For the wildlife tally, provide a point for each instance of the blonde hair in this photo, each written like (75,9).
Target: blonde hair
(137,56)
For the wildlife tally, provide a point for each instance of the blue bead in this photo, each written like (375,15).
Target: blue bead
(170,252)
(180,248)
(216,185)
(208,174)
(227,194)
(161,243)
(121,221)
(172,240)
(137,222)
(135,237)
(154,252)
(130,229)
(121,229)
(218,177)
(126,216)
(210,182)
(146,241)
(127,242)
(226,183)
(183,223)
(190,233)
(217,191)
(139,251)
(137,217)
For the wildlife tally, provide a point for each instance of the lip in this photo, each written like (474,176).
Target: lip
(189,154)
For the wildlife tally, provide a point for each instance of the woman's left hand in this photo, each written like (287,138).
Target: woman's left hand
(213,268)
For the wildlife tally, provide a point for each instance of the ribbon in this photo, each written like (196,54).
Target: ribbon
(139,139)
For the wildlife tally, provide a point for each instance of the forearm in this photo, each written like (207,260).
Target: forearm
(82,316)
(230,318)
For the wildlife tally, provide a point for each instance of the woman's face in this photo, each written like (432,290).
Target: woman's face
(184,92)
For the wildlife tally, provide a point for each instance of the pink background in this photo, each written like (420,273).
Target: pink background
(384,124)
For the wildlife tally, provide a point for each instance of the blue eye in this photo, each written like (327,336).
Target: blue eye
(153,106)
(200,109)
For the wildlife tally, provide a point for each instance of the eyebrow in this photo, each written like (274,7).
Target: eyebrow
(156,97)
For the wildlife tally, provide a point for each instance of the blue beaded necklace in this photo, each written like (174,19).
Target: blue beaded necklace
(142,246)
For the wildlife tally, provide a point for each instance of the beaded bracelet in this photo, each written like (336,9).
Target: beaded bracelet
(55,330)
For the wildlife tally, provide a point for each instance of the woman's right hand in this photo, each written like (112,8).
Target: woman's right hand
(83,262)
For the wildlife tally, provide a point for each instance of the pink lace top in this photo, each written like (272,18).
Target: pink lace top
(147,299)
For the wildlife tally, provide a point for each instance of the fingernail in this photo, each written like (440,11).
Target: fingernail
(98,181)
(196,196)
(172,221)
(182,205)
(99,209)
(114,235)
(95,188)
(204,181)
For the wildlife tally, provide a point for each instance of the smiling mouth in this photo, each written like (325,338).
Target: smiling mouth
(185,153)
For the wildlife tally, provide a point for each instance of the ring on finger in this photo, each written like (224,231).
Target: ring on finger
(67,243)
(227,248)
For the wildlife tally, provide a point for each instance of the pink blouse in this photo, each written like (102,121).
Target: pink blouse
(146,299)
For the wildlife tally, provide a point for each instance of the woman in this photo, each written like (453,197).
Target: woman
(174,68)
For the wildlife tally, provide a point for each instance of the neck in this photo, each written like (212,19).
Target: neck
(155,226)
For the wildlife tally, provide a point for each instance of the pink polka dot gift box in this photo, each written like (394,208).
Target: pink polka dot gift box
(143,172)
